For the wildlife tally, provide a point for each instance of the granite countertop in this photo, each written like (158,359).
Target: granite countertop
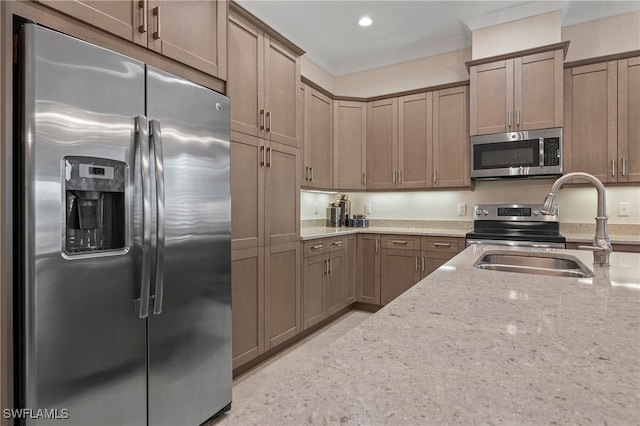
(471,346)
(314,232)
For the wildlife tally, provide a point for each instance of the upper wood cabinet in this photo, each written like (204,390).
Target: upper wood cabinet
(602,120)
(450,162)
(263,83)
(415,141)
(191,32)
(515,94)
(349,145)
(317,140)
(431,146)
(382,142)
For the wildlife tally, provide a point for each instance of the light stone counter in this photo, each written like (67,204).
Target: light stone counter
(310,233)
(471,346)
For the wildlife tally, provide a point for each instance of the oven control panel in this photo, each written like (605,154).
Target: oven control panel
(513,213)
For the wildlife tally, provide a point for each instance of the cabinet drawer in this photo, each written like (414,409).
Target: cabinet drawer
(450,245)
(401,242)
(337,244)
(314,247)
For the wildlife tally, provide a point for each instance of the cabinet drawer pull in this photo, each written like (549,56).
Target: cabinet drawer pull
(316,247)
(142,8)
(156,13)
(336,243)
(401,242)
(613,167)
(442,244)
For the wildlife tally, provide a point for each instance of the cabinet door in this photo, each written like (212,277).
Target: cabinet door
(349,271)
(282,79)
(282,293)
(629,120)
(318,139)
(491,97)
(246,76)
(415,124)
(538,93)
(590,140)
(191,32)
(368,272)
(313,305)
(335,282)
(350,159)
(282,194)
(399,271)
(247,191)
(247,300)
(120,18)
(382,141)
(451,144)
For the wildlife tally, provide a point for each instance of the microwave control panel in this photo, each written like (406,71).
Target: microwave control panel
(551,151)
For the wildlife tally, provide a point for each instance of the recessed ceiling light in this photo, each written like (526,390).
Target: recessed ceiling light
(365,21)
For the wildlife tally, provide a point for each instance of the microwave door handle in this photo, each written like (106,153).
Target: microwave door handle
(142,153)
(156,143)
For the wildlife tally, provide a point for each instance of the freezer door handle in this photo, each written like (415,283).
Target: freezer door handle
(155,140)
(142,148)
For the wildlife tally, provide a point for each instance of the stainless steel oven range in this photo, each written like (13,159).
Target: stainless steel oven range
(516,225)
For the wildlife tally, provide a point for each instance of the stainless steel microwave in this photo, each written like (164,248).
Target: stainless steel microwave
(517,154)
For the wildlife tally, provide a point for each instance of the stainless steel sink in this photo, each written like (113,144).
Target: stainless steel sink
(555,264)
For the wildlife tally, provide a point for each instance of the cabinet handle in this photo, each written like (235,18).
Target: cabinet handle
(442,244)
(311,170)
(422,263)
(268,121)
(326,266)
(306,170)
(156,13)
(394,177)
(377,245)
(262,153)
(509,118)
(435,175)
(364,178)
(330,266)
(269,157)
(613,167)
(336,243)
(261,119)
(416,263)
(399,177)
(624,167)
(401,242)
(142,8)
(518,118)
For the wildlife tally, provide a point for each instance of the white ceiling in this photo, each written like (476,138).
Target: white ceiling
(405,30)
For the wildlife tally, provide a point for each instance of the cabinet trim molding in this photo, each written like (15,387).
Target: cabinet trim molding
(600,59)
(562,45)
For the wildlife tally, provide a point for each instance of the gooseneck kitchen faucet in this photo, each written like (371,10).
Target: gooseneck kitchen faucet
(601,243)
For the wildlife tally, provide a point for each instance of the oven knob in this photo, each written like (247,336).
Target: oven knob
(535,212)
(478,212)
(485,212)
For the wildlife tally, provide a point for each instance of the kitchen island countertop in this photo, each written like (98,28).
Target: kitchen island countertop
(471,346)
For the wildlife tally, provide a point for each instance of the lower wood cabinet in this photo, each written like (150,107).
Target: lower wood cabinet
(329,277)
(436,251)
(368,269)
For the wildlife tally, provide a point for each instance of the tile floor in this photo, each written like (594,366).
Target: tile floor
(260,378)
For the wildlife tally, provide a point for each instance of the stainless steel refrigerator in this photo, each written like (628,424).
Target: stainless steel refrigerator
(124,305)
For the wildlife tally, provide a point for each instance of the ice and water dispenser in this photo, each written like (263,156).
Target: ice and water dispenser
(95,205)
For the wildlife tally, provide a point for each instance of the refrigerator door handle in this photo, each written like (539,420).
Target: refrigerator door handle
(155,139)
(142,145)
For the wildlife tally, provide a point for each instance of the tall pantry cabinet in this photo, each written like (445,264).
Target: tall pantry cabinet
(264,83)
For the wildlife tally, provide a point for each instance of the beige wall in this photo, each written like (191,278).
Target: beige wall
(518,35)
(603,37)
(318,75)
